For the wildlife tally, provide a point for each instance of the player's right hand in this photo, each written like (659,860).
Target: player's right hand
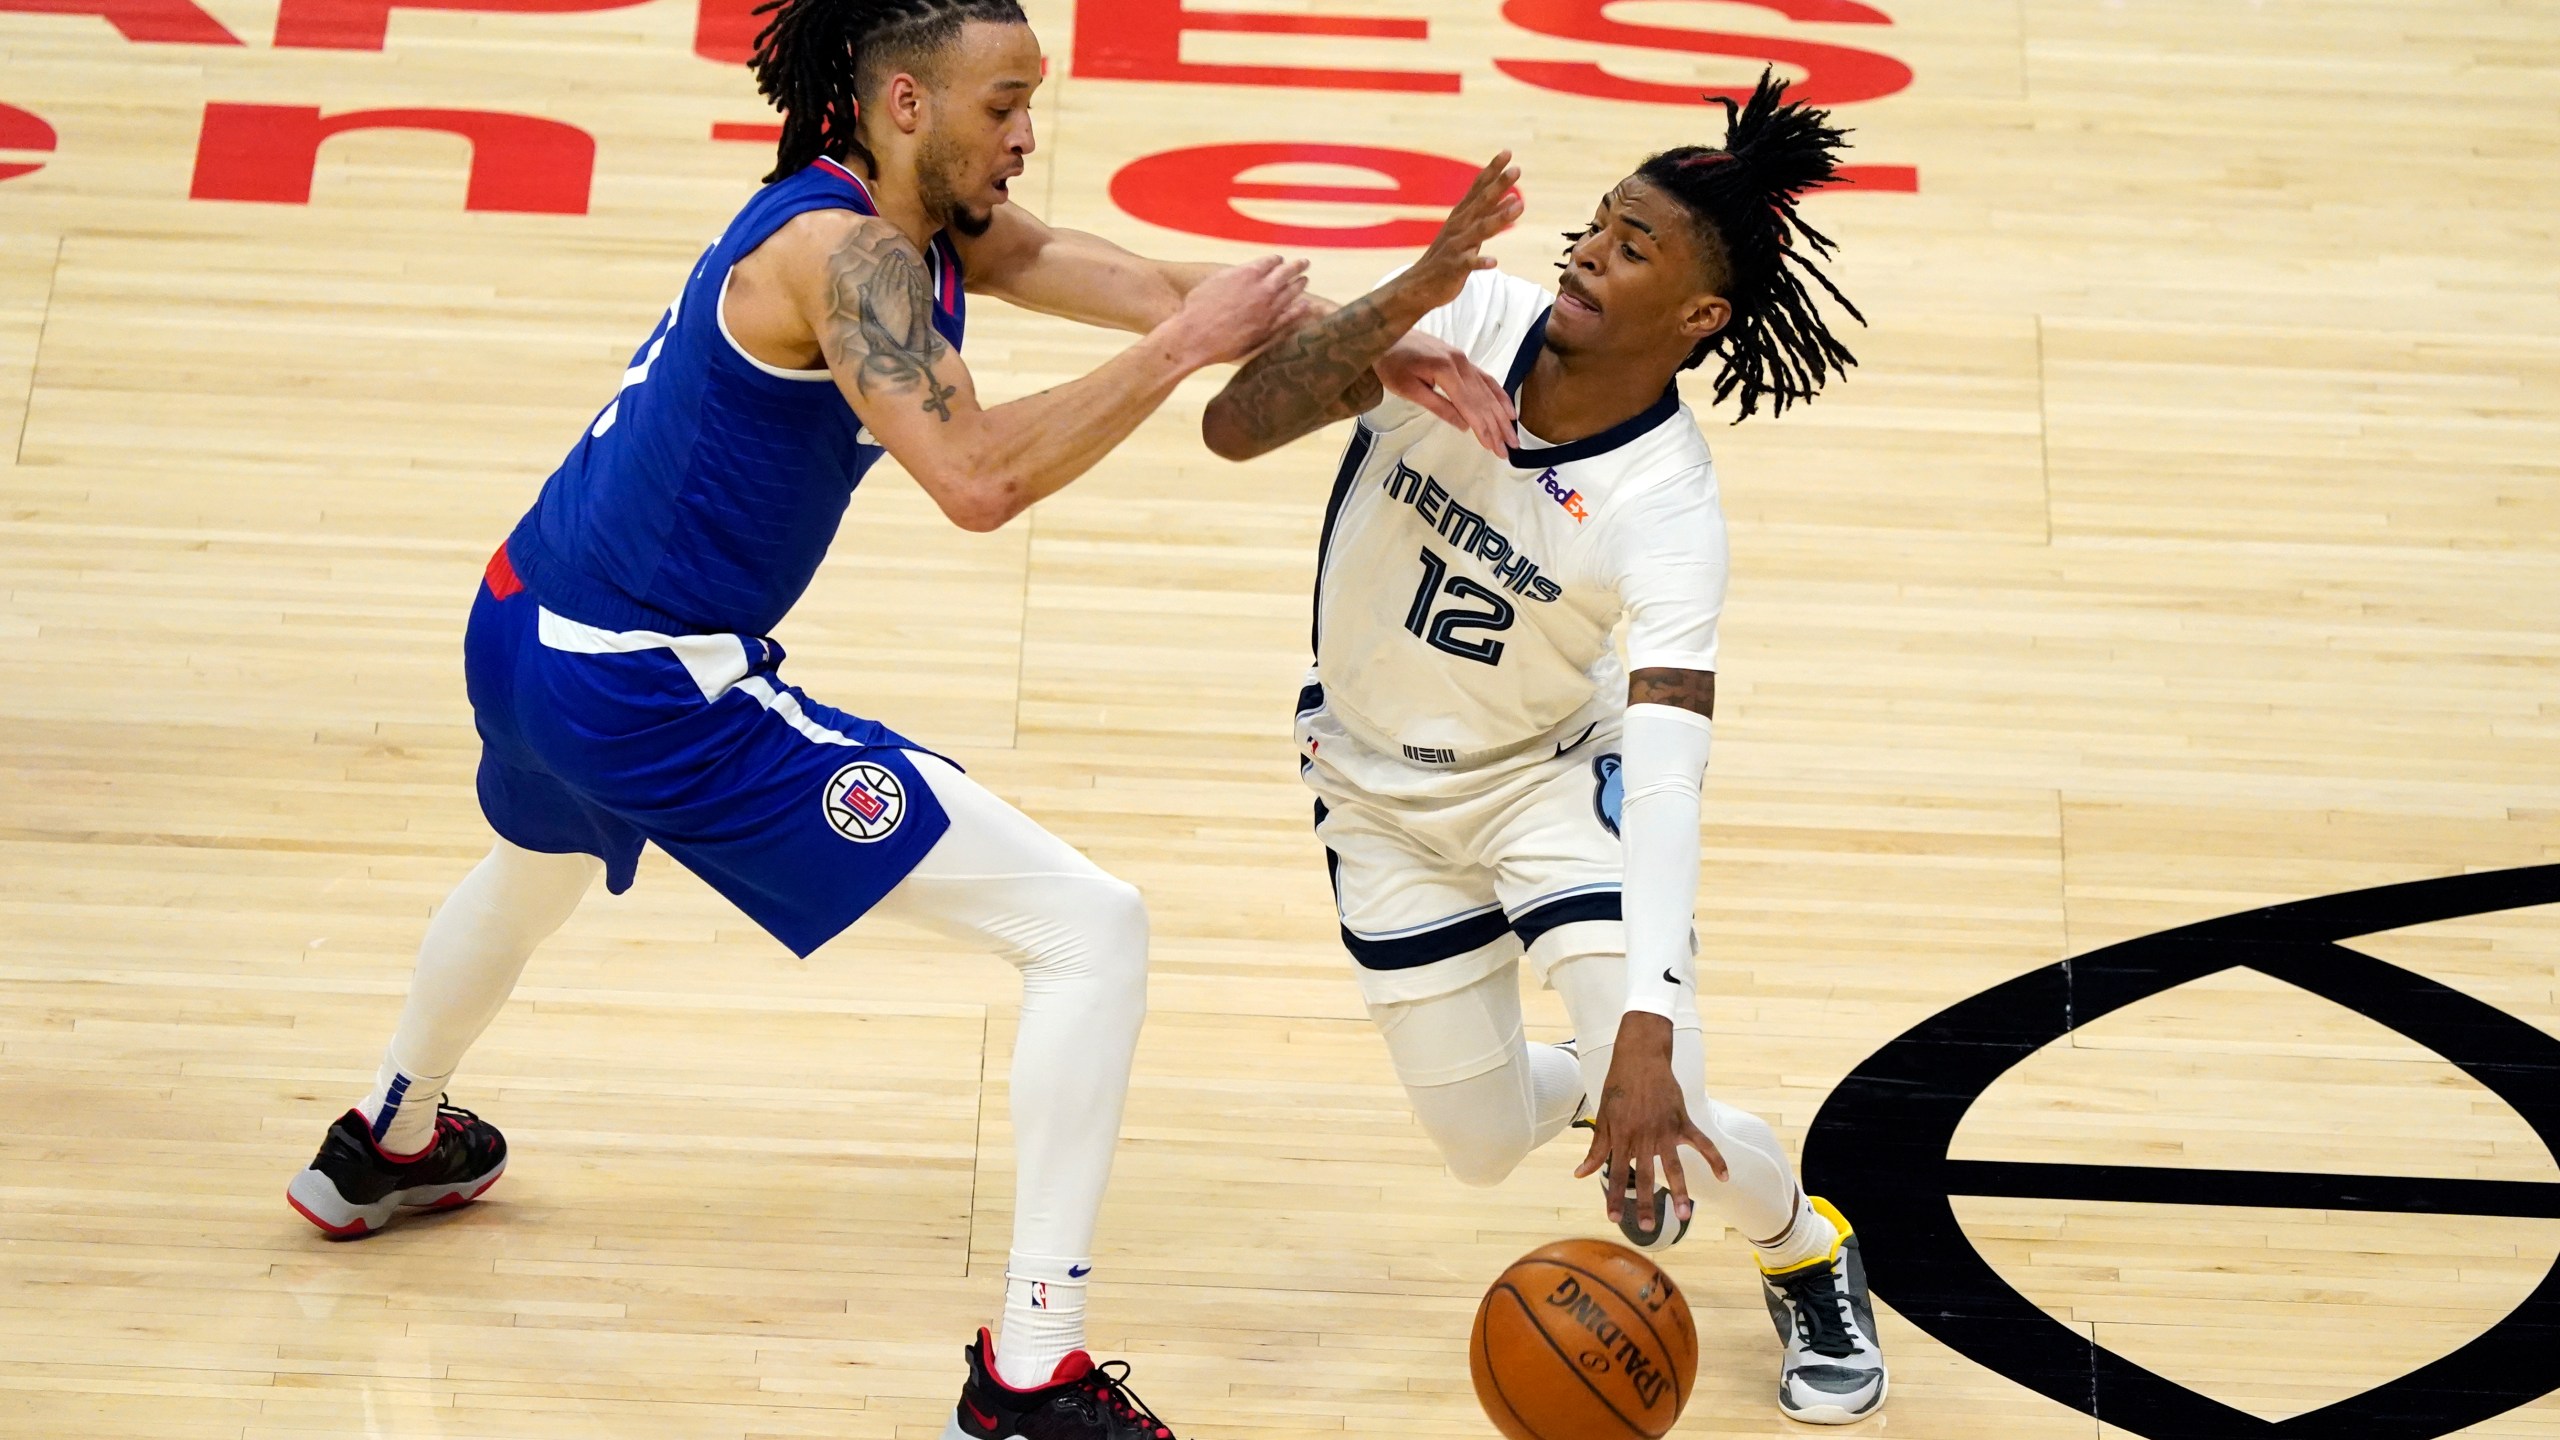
(1492,205)
(1240,309)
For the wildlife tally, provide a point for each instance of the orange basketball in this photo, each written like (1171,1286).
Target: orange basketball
(1583,1340)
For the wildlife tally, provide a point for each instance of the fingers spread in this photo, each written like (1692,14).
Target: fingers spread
(1697,1140)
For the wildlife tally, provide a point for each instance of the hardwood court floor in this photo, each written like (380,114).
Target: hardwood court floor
(2188,541)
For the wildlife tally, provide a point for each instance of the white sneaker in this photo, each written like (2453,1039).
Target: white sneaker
(1833,1370)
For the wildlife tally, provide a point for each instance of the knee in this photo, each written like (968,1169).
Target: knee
(1479,1151)
(1093,936)
(1118,943)
(1483,1166)
(1729,1126)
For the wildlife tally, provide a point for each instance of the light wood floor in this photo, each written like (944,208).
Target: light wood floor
(2188,540)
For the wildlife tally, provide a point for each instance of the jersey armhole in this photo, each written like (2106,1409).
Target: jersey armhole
(720,312)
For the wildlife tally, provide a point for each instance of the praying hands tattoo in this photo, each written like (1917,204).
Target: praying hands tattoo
(881,326)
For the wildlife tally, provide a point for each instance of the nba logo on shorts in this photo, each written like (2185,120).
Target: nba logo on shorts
(865,802)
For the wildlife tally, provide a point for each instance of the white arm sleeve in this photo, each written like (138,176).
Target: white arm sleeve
(1663,764)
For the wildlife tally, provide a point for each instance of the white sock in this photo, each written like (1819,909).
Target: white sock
(474,949)
(1555,1090)
(1808,1237)
(1043,1318)
(402,1108)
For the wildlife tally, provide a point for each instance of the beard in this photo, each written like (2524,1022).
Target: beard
(936,165)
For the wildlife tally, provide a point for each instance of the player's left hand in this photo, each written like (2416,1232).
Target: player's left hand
(1438,376)
(1643,1122)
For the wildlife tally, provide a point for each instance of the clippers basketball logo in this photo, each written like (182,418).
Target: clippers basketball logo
(865,802)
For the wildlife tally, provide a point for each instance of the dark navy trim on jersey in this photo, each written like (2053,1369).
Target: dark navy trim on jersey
(1567,910)
(1527,355)
(1467,934)
(1445,942)
(1311,700)
(1632,428)
(1354,455)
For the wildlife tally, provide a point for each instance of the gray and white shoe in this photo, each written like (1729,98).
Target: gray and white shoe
(1833,1371)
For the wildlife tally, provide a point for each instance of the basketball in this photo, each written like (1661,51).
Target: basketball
(1583,1340)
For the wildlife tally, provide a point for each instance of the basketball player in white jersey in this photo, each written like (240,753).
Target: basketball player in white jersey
(1490,780)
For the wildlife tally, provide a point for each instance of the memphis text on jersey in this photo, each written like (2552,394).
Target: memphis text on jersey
(1466,530)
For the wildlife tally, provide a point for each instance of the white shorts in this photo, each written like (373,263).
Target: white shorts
(1442,878)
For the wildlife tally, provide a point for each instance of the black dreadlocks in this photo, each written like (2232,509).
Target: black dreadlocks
(1744,195)
(815,59)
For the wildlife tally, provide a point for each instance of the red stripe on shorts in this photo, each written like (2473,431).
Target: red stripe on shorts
(500,577)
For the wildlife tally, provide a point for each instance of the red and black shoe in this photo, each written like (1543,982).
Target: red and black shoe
(1082,1401)
(353,1189)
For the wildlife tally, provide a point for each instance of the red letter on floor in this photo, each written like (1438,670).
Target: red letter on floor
(725,30)
(1834,74)
(1142,40)
(364,24)
(518,162)
(1195,191)
(175,21)
(26,131)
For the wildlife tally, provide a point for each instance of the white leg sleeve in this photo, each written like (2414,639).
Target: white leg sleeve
(1759,1196)
(474,950)
(1079,937)
(1473,1077)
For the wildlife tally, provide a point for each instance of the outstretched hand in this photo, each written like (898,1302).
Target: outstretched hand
(1491,205)
(1643,1122)
(1238,310)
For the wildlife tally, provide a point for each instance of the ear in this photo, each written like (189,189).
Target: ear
(903,102)
(1704,315)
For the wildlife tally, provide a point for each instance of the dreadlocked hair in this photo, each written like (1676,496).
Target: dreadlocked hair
(1744,193)
(815,58)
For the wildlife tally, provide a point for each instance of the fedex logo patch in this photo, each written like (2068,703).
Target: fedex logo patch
(1568,500)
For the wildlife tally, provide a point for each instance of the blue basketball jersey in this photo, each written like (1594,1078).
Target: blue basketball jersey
(702,498)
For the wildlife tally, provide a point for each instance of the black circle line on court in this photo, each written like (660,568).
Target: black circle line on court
(1878,1150)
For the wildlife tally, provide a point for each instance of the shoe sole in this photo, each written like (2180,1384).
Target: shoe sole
(951,1430)
(1835,1414)
(1668,1228)
(315,1198)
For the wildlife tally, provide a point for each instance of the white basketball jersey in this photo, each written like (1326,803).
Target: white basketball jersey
(1465,603)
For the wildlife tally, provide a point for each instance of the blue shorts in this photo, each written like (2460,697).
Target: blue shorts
(599,741)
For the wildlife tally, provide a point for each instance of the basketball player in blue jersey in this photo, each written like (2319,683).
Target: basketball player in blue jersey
(1493,783)
(626,694)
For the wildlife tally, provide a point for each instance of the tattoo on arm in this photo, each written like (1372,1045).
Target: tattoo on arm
(881,323)
(1309,379)
(1688,689)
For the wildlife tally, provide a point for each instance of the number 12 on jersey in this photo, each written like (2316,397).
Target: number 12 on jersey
(1439,629)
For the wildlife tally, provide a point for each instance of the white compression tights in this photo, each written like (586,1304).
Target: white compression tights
(1471,1075)
(998,880)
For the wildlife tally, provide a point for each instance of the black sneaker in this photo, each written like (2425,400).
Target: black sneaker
(353,1189)
(1082,1401)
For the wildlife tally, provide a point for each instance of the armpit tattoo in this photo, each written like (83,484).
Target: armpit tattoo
(1688,689)
(882,321)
